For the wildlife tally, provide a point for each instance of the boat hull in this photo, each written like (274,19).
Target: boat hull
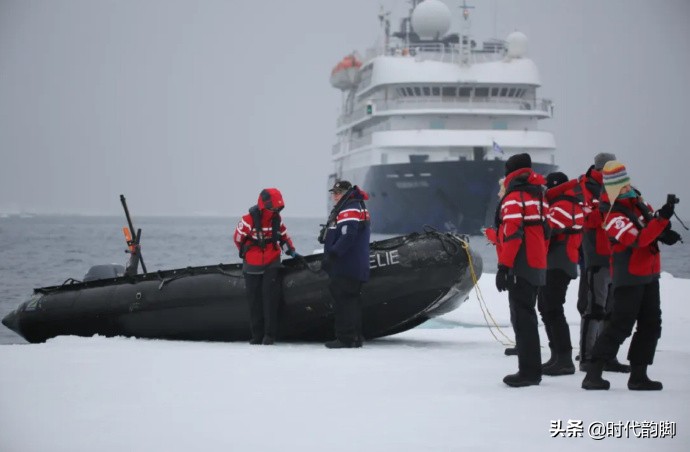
(457,196)
(413,278)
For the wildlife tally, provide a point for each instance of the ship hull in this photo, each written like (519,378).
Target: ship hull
(458,196)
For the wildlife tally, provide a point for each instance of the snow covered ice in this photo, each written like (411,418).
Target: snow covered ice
(428,389)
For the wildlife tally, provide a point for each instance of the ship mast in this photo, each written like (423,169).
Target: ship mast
(465,38)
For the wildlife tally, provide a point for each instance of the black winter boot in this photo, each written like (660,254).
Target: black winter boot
(268,340)
(256,340)
(519,380)
(639,381)
(613,365)
(551,360)
(562,365)
(593,378)
(511,351)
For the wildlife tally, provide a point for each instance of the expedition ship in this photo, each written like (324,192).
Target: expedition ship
(429,117)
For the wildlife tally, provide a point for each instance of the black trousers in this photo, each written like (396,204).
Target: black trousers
(550,302)
(641,304)
(522,298)
(263,294)
(597,307)
(348,308)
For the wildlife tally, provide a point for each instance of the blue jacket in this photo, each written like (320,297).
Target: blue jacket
(346,245)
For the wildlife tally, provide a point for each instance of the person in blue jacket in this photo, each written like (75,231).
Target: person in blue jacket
(346,259)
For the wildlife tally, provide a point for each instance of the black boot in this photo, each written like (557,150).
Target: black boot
(511,351)
(256,340)
(613,365)
(268,340)
(562,365)
(340,344)
(519,380)
(550,361)
(639,381)
(593,378)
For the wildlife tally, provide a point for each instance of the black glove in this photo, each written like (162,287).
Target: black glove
(243,250)
(504,280)
(291,252)
(666,211)
(670,237)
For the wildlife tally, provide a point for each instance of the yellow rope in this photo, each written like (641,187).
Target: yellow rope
(482,303)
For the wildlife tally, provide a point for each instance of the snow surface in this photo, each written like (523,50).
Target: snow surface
(429,389)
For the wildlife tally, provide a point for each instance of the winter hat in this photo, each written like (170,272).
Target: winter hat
(555,179)
(518,161)
(615,178)
(341,187)
(601,158)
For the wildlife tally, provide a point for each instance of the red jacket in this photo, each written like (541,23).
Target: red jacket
(249,240)
(635,257)
(566,220)
(595,242)
(521,240)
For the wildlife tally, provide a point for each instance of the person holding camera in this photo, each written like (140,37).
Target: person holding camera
(346,260)
(260,236)
(634,231)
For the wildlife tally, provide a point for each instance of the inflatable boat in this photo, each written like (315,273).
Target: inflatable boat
(413,278)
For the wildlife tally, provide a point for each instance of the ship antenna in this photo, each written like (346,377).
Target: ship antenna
(386,25)
(465,39)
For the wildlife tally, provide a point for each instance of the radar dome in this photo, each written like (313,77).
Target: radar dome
(431,19)
(517,45)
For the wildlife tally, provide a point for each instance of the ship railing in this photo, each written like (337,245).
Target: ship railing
(538,105)
(437,51)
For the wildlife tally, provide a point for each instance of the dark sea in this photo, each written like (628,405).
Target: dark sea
(39,251)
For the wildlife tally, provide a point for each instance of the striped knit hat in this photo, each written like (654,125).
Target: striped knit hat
(615,178)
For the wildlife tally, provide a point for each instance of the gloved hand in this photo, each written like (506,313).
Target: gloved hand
(291,252)
(667,210)
(669,237)
(504,280)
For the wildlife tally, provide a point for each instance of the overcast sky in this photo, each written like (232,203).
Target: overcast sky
(192,107)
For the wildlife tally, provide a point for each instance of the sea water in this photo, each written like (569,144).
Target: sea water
(41,251)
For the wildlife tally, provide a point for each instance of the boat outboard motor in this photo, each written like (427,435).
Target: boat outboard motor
(104,271)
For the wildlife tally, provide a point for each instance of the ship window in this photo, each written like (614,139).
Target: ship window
(437,124)
(401,92)
(481,92)
(417,91)
(464,92)
(409,91)
(427,91)
(435,90)
(504,91)
(448,91)
(494,92)
(511,92)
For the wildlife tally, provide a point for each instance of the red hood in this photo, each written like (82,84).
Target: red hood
(530,177)
(565,188)
(270,198)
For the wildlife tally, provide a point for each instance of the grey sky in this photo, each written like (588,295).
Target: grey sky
(194,106)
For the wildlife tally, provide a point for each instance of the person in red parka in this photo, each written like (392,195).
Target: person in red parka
(521,246)
(566,218)
(594,296)
(634,231)
(260,236)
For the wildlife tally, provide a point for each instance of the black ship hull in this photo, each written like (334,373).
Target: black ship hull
(413,278)
(457,196)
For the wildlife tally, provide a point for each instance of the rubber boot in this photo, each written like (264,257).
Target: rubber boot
(613,365)
(639,381)
(593,378)
(511,351)
(562,365)
(268,340)
(519,380)
(551,360)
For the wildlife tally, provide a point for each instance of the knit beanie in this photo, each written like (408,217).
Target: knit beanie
(601,158)
(518,161)
(555,179)
(615,178)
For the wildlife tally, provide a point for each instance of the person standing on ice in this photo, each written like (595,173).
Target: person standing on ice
(346,259)
(521,245)
(259,237)
(594,300)
(565,218)
(634,231)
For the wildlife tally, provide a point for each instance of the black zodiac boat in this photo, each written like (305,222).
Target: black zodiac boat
(413,278)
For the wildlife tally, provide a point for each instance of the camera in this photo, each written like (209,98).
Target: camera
(672,199)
